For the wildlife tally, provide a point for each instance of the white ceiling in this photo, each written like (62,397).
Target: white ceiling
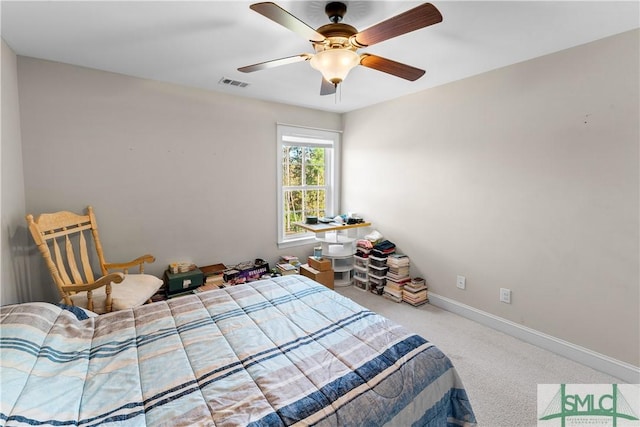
(197,43)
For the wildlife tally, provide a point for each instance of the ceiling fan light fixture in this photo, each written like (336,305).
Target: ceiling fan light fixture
(335,64)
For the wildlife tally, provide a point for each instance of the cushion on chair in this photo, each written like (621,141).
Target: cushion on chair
(133,291)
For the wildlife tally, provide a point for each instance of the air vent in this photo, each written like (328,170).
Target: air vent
(231,82)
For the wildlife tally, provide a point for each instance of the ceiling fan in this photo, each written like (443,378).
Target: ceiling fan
(336,44)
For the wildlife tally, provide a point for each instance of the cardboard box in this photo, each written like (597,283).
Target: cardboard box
(321,264)
(183,282)
(249,273)
(324,277)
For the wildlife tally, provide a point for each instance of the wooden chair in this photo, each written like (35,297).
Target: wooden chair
(63,234)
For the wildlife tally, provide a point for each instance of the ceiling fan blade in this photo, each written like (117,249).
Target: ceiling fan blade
(391,67)
(327,88)
(411,20)
(287,20)
(275,63)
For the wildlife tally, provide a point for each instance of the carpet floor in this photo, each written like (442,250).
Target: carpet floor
(500,372)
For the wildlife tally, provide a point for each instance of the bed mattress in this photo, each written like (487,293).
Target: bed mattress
(276,352)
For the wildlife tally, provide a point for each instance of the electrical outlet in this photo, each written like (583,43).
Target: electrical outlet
(461,282)
(505,295)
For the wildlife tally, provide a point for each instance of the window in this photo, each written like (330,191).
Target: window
(308,177)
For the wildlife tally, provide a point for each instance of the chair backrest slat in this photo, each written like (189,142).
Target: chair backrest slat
(84,256)
(71,260)
(62,270)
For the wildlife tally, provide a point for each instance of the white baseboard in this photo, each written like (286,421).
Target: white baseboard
(625,371)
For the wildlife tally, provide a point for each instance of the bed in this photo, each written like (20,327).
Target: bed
(281,351)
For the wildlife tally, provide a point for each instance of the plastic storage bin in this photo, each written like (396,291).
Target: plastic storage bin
(360,262)
(377,262)
(361,283)
(378,271)
(361,273)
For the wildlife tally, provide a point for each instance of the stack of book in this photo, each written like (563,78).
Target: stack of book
(415,292)
(213,274)
(397,276)
(290,259)
(213,277)
(284,268)
(392,291)
(398,268)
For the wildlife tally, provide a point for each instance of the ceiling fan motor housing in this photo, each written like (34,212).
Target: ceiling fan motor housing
(335,10)
(337,36)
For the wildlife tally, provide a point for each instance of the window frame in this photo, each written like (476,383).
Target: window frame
(309,137)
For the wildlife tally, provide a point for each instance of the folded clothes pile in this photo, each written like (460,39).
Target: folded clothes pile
(363,248)
(383,249)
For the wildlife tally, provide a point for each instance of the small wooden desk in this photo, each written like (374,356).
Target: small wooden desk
(332,226)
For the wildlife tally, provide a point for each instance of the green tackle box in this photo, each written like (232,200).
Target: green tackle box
(183,282)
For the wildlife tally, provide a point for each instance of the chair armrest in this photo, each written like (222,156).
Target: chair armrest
(104,280)
(89,287)
(125,266)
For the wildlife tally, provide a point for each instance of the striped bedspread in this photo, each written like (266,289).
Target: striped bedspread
(284,351)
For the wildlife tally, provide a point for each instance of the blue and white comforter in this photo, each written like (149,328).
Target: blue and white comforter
(285,351)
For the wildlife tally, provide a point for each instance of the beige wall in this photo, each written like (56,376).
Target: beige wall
(182,173)
(526,178)
(15,286)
